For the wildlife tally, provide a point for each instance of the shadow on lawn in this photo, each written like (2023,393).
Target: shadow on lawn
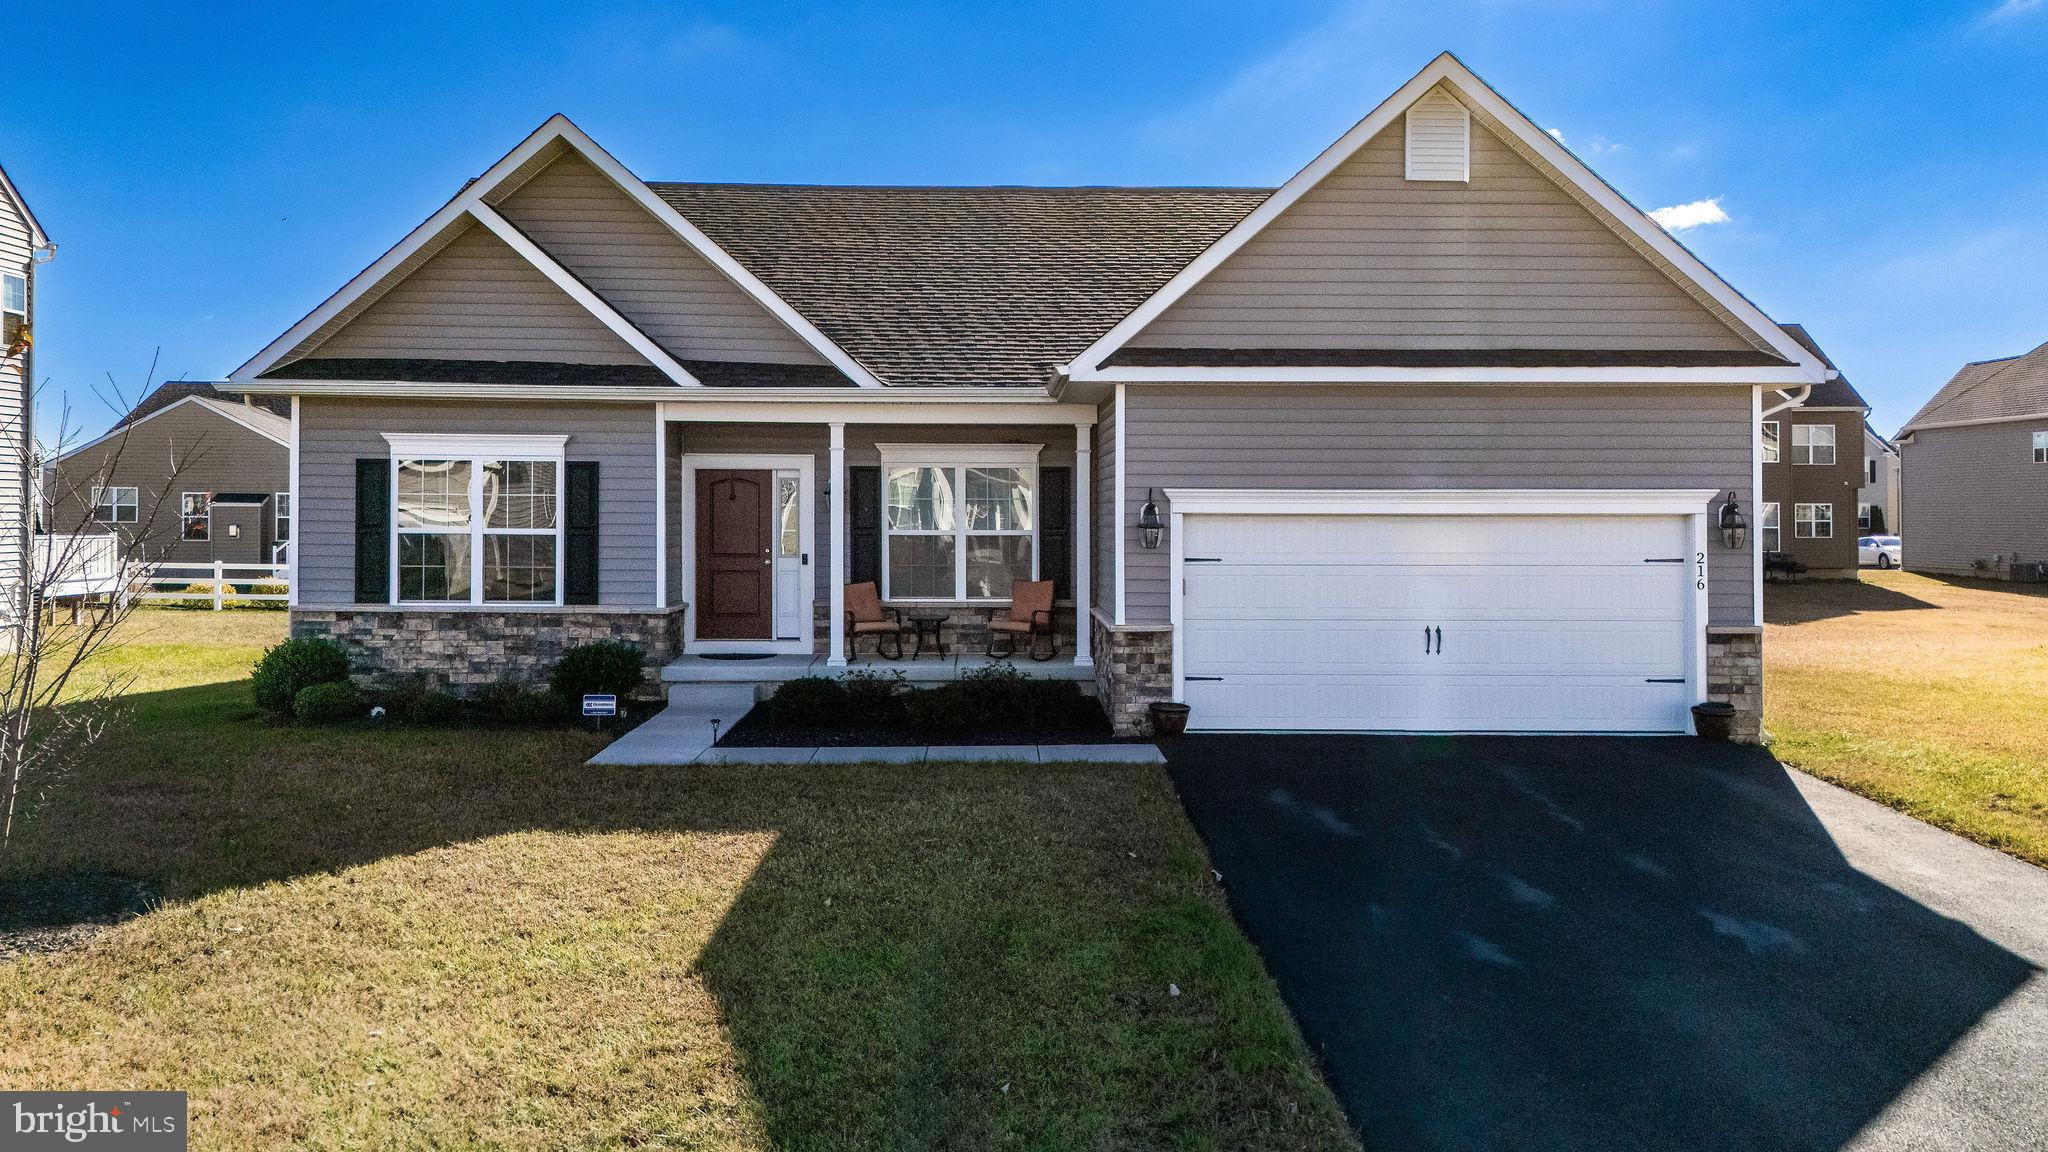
(1567,943)
(1804,603)
(966,957)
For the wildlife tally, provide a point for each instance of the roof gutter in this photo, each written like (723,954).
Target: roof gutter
(1804,390)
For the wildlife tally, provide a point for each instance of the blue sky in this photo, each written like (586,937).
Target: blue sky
(212,172)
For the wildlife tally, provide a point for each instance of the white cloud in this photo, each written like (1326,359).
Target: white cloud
(1679,217)
(1558,133)
(2012,8)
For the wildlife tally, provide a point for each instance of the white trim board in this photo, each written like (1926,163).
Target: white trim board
(1787,376)
(1440,501)
(556,129)
(437,445)
(954,454)
(1448,70)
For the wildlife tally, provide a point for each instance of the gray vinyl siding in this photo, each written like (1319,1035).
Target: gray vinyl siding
(15,461)
(1973,493)
(335,433)
(815,441)
(1467,436)
(1103,522)
(642,269)
(477,299)
(1369,259)
(185,448)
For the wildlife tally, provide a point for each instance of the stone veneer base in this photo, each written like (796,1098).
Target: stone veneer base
(1133,668)
(1735,675)
(462,652)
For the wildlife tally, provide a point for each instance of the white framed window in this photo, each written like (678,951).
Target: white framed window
(115,504)
(1813,443)
(195,516)
(2041,447)
(1770,435)
(1863,517)
(1767,530)
(1870,467)
(959,522)
(281,504)
(476,520)
(13,308)
(1813,521)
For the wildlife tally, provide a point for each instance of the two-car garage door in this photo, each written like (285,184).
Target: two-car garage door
(1528,623)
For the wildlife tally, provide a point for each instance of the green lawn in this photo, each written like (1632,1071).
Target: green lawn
(1928,695)
(467,939)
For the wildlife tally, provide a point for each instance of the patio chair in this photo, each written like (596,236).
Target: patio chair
(865,616)
(1029,615)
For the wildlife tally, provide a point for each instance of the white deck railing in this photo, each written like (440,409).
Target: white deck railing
(69,566)
(91,565)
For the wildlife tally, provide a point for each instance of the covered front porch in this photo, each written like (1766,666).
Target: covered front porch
(771,507)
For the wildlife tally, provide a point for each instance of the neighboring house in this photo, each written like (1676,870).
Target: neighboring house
(1439,435)
(1877,502)
(23,248)
(1974,472)
(1813,469)
(190,476)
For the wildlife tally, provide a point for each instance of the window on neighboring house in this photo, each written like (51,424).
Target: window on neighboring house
(2041,447)
(13,307)
(1870,466)
(282,501)
(953,530)
(1767,532)
(1813,444)
(1770,441)
(195,516)
(115,504)
(1813,521)
(1863,517)
(479,530)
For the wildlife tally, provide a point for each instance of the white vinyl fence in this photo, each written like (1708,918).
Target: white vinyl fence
(91,565)
(218,581)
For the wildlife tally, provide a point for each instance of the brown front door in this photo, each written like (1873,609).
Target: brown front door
(735,555)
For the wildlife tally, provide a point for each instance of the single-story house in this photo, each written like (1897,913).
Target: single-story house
(1442,434)
(189,476)
(1973,465)
(1813,469)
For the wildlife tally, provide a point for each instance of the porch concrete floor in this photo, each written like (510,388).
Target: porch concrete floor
(697,669)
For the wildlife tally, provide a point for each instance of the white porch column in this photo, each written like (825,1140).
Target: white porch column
(1084,530)
(660,507)
(836,655)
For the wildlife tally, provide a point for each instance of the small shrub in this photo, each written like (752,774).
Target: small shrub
(602,667)
(944,710)
(809,702)
(293,666)
(269,588)
(329,703)
(1057,702)
(543,707)
(434,706)
(494,703)
(875,695)
(199,594)
(997,691)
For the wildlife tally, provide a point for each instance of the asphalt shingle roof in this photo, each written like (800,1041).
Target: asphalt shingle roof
(1836,393)
(961,286)
(172,391)
(1989,389)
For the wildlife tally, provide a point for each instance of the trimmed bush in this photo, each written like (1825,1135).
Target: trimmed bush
(269,588)
(997,691)
(941,711)
(294,666)
(199,594)
(875,695)
(433,706)
(809,702)
(602,667)
(329,703)
(1057,701)
(544,707)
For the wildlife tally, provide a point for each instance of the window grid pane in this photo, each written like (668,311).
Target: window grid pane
(433,493)
(998,500)
(519,494)
(519,569)
(920,500)
(994,563)
(1769,527)
(1770,441)
(2041,447)
(14,293)
(921,567)
(192,519)
(433,566)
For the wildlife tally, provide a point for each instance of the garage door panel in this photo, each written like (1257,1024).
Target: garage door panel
(1538,623)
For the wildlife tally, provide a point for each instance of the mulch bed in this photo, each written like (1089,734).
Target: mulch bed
(758,730)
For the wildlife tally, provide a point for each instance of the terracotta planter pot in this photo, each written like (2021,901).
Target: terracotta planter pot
(1169,719)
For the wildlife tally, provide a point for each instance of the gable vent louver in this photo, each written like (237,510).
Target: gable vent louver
(1439,139)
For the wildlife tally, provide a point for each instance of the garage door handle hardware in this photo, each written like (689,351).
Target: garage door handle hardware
(1210,679)
(1665,560)
(1201,559)
(1665,680)
(1425,640)
(1439,641)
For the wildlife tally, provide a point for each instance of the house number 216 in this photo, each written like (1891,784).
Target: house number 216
(1699,568)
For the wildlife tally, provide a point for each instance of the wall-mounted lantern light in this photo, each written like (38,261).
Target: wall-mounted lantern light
(1733,526)
(1149,523)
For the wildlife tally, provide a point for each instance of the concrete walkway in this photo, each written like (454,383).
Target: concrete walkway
(682,734)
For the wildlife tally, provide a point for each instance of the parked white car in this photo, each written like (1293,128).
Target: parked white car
(1880,551)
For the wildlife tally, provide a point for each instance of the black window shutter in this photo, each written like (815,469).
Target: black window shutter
(373,530)
(1056,530)
(864,525)
(579,562)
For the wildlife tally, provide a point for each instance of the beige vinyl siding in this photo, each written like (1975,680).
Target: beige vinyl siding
(334,433)
(15,248)
(815,441)
(642,269)
(1972,493)
(477,299)
(1467,436)
(1370,259)
(188,447)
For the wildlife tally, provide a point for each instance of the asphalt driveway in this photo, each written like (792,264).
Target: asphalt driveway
(1580,943)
